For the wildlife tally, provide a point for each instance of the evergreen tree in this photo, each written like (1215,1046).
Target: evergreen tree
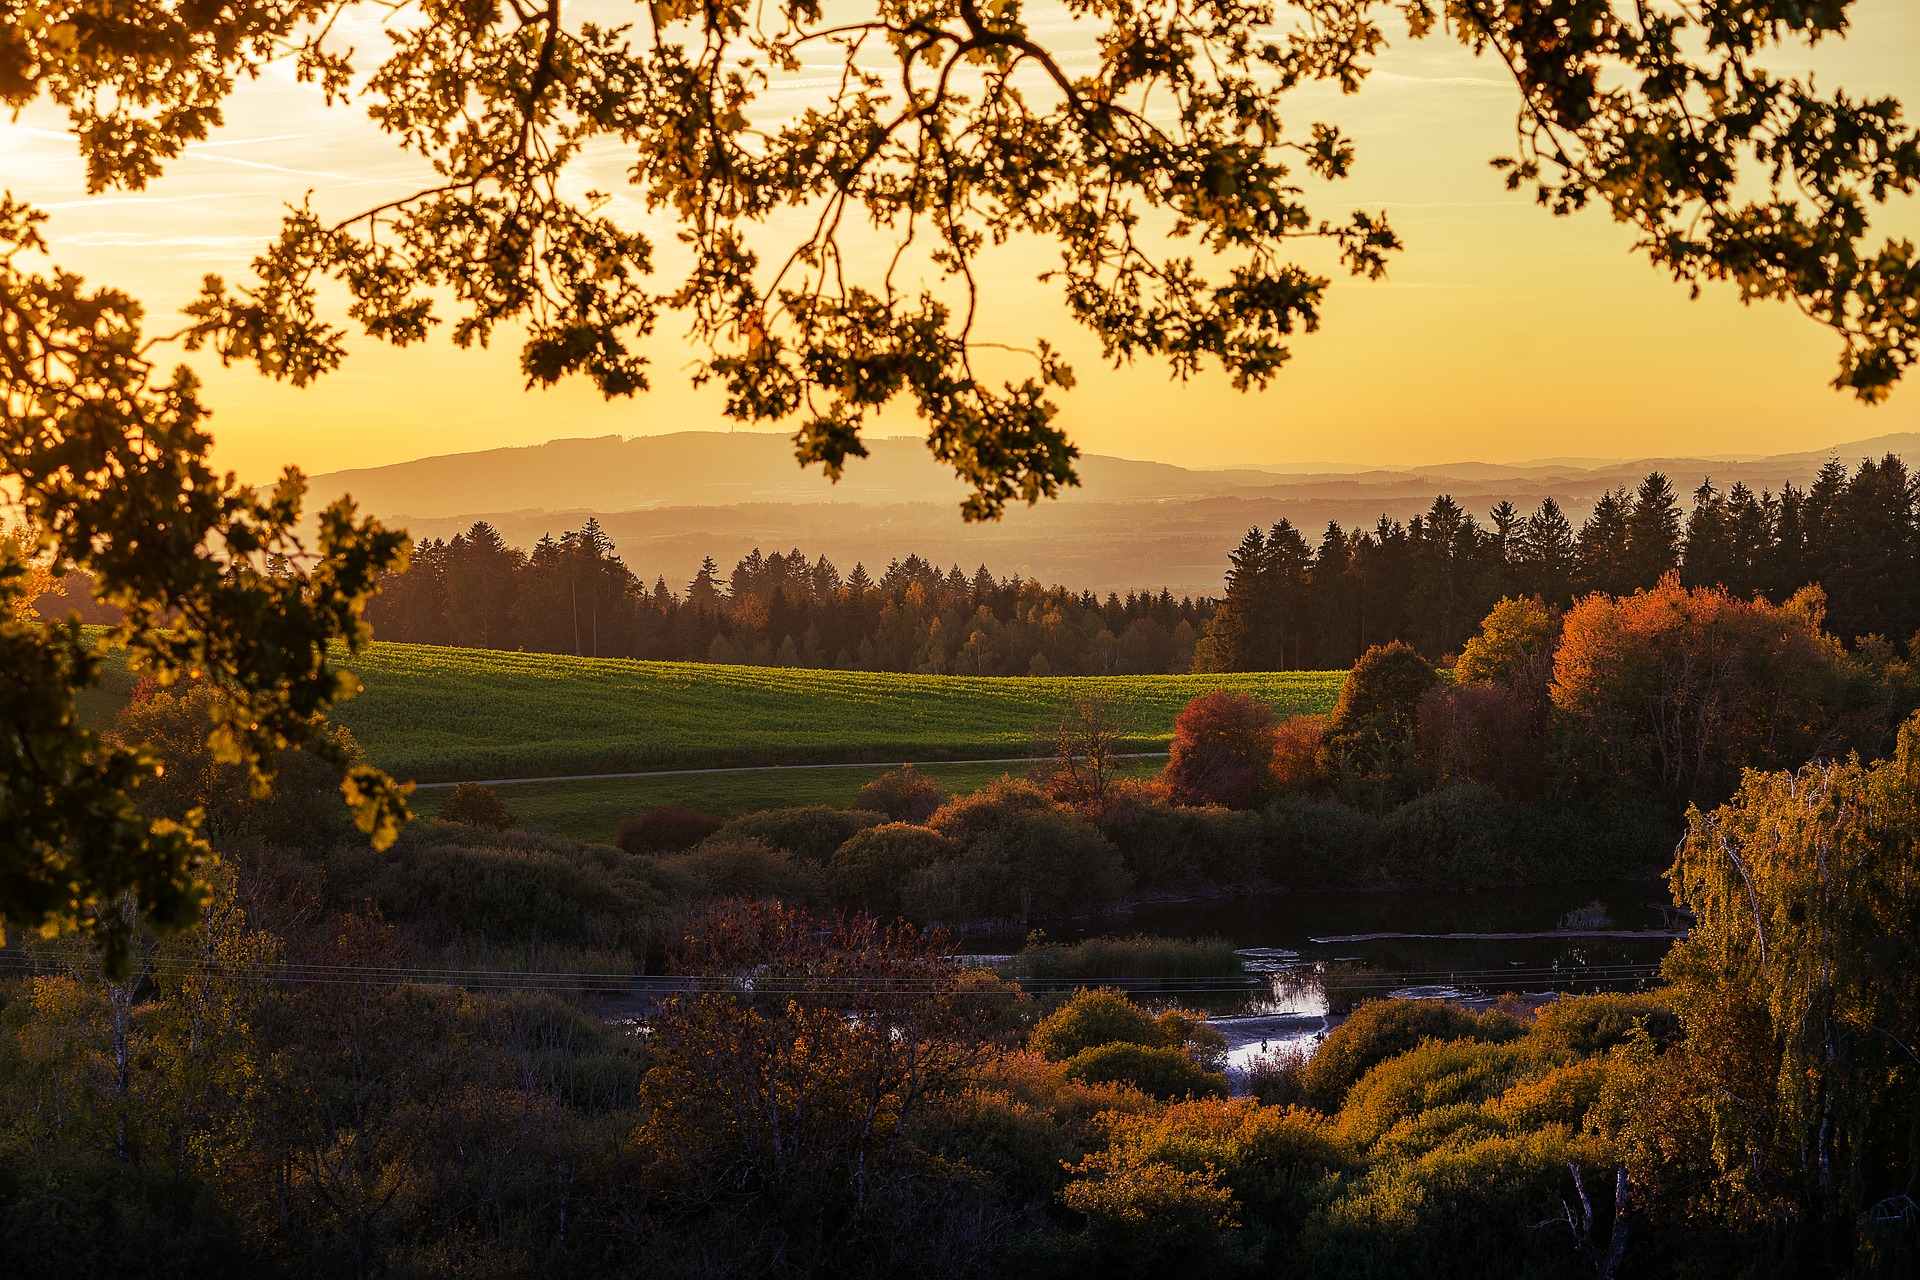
(1546,555)
(703,593)
(1603,562)
(1231,641)
(1653,533)
(1709,555)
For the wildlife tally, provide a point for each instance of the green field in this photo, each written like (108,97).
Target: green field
(594,808)
(437,713)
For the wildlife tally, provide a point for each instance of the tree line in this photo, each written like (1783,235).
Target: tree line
(575,594)
(1293,604)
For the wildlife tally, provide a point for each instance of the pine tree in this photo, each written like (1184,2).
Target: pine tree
(1653,534)
(1708,555)
(1603,563)
(1231,637)
(703,593)
(1546,555)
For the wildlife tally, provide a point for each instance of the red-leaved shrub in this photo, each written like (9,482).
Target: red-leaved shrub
(1296,753)
(1222,752)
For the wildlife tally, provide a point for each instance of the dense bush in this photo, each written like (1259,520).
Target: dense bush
(1314,844)
(1099,1019)
(1158,1071)
(1091,1019)
(727,866)
(1461,835)
(1222,752)
(448,883)
(1020,856)
(872,870)
(665,828)
(904,795)
(1368,751)
(1594,1024)
(810,833)
(472,805)
(1171,847)
(1383,1029)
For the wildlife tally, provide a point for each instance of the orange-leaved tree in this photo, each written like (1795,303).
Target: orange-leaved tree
(1680,688)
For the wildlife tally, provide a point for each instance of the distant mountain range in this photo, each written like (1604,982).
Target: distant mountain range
(668,500)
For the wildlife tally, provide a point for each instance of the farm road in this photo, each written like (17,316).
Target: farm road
(765,768)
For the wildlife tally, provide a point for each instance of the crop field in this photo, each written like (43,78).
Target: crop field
(438,713)
(594,808)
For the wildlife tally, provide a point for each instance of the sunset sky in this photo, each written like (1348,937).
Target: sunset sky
(1502,333)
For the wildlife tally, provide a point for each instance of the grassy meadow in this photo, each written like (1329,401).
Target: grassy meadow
(594,808)
(438,713)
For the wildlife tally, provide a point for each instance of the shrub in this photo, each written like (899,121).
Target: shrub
(1021,857)
(870,872)
(445,882)
(1468,1208)
(1383,1029)
(746,867)
(1016,1144)
(1581,1026)
(1222,752)
(1459,835)
(665,828)
(1368,752)
(1163,1072)
(1296,753)
(1167,847)
(1273,1077)
(1091,1019)
(810,833)
(1431,1075)
(1274,1161)
(1314,844)
(472,805)
(904,795)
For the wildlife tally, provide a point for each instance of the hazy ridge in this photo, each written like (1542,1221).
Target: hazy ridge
(668,500)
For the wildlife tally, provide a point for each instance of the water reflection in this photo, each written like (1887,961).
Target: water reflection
(1310,958)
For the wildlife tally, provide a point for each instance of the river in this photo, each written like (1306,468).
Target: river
(1313,956)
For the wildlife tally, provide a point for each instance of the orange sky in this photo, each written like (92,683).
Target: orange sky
(1502,333)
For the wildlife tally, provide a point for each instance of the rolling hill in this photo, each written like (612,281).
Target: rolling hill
(438,714)
(669,500)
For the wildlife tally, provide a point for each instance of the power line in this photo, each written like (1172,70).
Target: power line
(667,985)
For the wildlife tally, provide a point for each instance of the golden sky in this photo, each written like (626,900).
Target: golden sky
(1501,334)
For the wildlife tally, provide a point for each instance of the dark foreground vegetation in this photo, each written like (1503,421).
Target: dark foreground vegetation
(700,1052)
(275,1093)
